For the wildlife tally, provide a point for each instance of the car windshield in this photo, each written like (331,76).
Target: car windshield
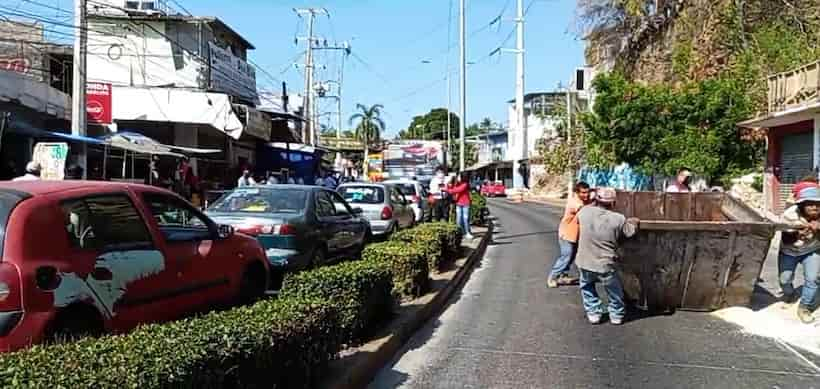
(362,194)
(257,200)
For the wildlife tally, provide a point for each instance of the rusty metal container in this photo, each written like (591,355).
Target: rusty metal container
(694,251)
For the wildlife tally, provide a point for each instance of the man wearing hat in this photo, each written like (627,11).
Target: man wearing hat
(681,184)
(33,170)
(800,246)
(602,230)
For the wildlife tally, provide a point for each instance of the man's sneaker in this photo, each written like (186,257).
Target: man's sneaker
(594,318)
(566,279)
(552,283)
(790,298)
(469,237)
(804,313)
(616,320)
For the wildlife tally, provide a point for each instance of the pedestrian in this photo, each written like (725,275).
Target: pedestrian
(681,184)
(33,170)
(272,180)
(330,181)
(800,245)
(568,237)
(74,172)
(601,231)
(246,179)
(438,194)
(461,195)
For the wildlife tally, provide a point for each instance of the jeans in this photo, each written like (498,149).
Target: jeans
(463,218)
(614,291)
(787,265)
(565,258)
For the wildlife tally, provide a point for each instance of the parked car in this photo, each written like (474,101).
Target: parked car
(384,206)
(418,197)
(493,189)
(298,226)
(81,257)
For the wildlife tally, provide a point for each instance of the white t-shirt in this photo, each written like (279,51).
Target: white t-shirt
(675,188)
(246,181)
(436,186)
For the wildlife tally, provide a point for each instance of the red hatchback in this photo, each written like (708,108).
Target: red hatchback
(80,257)
(493,189)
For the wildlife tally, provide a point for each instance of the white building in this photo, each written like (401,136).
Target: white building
(181,80)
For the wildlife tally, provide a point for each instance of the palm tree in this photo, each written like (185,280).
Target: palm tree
(369,127)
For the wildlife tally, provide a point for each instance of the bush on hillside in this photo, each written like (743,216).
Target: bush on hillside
(281,343)
(407,263)
(361,290)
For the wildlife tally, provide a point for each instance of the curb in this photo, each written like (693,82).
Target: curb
(361,374)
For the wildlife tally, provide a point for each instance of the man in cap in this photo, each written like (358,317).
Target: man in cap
(601,231)
(800,245)
(681,184)
(33,170)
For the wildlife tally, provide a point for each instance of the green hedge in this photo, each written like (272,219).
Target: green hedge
(477,204)
(407,263)
(361,290)
(430,241)
(275,343)
(452,237)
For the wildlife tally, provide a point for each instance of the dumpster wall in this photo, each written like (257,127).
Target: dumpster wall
(701,251)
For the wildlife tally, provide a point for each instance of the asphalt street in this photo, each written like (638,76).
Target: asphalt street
(505,329)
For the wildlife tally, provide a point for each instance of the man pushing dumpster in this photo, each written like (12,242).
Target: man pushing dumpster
(602,230)
(800,245)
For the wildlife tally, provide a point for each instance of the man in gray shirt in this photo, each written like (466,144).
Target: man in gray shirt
(601,233)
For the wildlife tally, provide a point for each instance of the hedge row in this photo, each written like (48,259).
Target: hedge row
(274,343)
(430,242)
(407,263)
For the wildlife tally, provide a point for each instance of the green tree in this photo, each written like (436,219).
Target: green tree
(431,126)
(369,125)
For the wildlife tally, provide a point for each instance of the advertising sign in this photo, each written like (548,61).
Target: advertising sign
(51,157)
(413,158)
(232,75)
(98,103)
(257,123)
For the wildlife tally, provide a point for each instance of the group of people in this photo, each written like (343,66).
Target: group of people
(801,245)
(589,235)
(328,180)
(444,192)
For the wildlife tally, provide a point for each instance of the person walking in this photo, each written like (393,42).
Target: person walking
(33,171)
(568,238)
(681,184)
(438,194)
(461,195)
(601,231)
(246,179)
(800,245)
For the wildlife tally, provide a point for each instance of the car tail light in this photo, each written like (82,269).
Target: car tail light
(9,287)
(387,213)
(285,229)
(416,199)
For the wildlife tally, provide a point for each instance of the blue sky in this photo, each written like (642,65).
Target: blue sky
(391,38)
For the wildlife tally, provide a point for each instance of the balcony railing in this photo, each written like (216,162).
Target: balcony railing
(795,88)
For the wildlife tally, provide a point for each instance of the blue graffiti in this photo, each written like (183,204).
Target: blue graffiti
(621,177)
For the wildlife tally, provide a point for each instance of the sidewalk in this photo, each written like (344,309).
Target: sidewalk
(770,317)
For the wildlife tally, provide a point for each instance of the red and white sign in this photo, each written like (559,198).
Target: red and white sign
(19,65)
(98,103)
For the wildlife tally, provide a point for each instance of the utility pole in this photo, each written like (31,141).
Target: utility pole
(518,176)
(463,91)
(309,110)
(346,50)
(78,109)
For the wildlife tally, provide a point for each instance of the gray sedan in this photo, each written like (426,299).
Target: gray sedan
(383,205)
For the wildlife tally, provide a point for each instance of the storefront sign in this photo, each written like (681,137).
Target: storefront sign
(232,75)
(257,123)
(19,65)
(98,103)
(51,157)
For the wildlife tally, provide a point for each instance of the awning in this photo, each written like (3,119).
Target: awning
(141,144)
(176,105)
(257,123)
(478,166)
(22,127)
(782,118)
(35,95)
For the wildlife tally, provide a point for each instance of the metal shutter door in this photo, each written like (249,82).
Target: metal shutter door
(796,161)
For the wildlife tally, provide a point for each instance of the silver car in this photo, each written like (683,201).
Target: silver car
(385,206)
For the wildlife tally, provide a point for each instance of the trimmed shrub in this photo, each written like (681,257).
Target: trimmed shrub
(361,290)
(477,206)
(431,242)
(407,263)
(452,237)
(281,343)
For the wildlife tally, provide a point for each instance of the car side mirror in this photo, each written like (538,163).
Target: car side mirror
(358,211)
(225,231)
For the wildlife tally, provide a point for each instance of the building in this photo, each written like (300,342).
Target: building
(180,80)
(792,128)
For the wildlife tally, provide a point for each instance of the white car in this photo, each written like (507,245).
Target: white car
(416,193)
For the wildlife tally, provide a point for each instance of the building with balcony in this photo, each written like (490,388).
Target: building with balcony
(791,122)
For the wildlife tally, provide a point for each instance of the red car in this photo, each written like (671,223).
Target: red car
(493,189)
(80,257)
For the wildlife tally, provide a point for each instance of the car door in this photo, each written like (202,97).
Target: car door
(351,228)
(331,234)
(401,207)
(129,276)
(204,263)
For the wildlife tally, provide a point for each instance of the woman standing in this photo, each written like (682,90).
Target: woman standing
(461,195)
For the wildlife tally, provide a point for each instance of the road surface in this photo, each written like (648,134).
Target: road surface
(507,330)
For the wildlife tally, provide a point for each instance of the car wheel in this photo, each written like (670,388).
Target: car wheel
(318,258)
(254,283)
(75,322)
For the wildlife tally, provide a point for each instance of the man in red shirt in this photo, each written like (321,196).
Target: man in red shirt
(461,196)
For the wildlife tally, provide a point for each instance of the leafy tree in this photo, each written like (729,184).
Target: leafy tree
(369,124)
(431,126)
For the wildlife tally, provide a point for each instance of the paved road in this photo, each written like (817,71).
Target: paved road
(507,330)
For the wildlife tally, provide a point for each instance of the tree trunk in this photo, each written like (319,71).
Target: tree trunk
(366,164)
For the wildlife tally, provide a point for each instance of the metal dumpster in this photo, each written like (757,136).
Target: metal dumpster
(694,251)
